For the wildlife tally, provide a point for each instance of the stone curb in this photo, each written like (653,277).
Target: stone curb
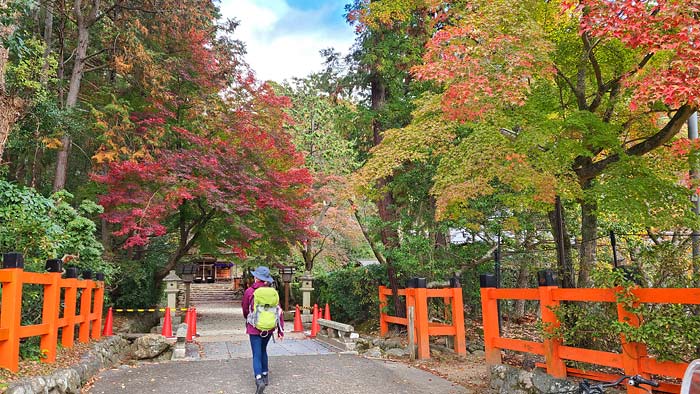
(506,379)
(104,354)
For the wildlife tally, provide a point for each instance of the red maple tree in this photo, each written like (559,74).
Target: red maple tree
(219,171)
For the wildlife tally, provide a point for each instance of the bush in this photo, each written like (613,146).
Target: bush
(47,227)
(135,288)
(351,292)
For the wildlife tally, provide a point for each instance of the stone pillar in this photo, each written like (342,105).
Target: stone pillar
(306,289)
(171,282)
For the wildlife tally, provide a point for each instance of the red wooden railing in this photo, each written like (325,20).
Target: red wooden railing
(418,298)
(633,358)
(88,320)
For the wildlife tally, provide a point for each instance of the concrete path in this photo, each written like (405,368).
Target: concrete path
(222,365)
(222,336)
(319,374)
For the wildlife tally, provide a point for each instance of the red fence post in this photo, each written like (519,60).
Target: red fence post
(458,321)
(411,301)
(49,315)
(97,306)
(70,298)
(555,365)
(383,325)
(422,330)
(10,318)
(632,352)
(85,302)
(489,312)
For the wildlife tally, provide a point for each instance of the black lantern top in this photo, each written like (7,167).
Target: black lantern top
(287,271)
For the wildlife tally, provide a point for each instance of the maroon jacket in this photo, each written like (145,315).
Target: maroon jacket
(247,305)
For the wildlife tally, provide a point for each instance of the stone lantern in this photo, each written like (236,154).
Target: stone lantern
(171,282)
(187,273)
(306,288)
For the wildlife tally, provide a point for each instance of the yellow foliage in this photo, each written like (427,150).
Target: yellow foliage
(428,135)
(121,66)
(104,157)
(51,143)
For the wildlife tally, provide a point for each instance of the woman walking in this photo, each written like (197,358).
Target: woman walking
(262,319)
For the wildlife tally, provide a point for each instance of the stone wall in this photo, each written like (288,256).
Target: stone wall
(139,322)
(104,354)
(510,380)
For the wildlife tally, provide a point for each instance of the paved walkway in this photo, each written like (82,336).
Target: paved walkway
(222,336)
(297,365)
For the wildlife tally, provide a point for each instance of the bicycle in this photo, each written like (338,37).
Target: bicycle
(586,387)
(691,379)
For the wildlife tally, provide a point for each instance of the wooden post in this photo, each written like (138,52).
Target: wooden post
(49,316)
(421,300)
(411,333)
(489,311)
(448,307)
(460,340)
(71,294)
(383,325)
(11,318)
(97,306)
(555,365)
(632,352)
(85,301)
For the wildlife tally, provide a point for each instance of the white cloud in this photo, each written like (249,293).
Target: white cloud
(284,42)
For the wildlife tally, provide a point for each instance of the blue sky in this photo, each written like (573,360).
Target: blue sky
(283,37)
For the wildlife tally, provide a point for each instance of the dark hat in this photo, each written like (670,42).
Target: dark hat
(262,273)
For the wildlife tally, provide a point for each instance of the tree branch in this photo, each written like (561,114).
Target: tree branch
(661,137)
(565,78)
(373,245)
(596,71)
(486,257)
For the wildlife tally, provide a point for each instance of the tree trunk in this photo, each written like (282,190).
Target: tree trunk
(307,256)
(106,234)
(83,24)
(189,233)
(521,283)
(562,240)
(11,107)
(385,205)
(5,32)
(305,248)
(48,40)
(589,230)
(61,50)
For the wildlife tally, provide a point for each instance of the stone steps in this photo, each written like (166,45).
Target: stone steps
(213,292)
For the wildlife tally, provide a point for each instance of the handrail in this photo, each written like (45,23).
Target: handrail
(88,320)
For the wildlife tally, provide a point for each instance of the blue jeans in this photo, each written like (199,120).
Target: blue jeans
(259,346)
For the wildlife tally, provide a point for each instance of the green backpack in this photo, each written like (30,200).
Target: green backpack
(264,314)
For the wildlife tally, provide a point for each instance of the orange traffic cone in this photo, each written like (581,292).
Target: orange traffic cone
(315,328)
(167,330)
(298,327)
(194,322)
(188,321)
(107,331)
(327,316)
(320,313)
